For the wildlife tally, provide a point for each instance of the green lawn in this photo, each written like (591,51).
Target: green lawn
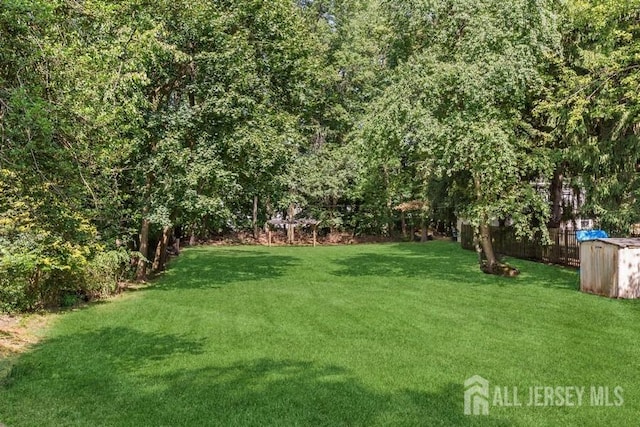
(352,335)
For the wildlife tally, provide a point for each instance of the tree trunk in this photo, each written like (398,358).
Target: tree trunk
(389,201)
(423,229)
(403,223)
(332,215)
(141,273)
(487,246)
(192,238)
(484,235)
(555,190)
(256,232)
(268,207)
(160,259)
(166,238)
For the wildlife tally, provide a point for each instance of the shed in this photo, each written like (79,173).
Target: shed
(610,267)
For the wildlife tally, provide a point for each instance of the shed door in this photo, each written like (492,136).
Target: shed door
(605,260)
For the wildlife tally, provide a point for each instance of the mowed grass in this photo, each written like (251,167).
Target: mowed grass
(352,335)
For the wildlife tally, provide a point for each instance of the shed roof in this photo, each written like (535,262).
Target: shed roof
(621,242)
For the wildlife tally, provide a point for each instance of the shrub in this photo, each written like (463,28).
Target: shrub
(49,253)
(16,278)
(105,271)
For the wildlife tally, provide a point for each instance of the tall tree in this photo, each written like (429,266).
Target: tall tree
(215,91)
(464,80)
(591,108)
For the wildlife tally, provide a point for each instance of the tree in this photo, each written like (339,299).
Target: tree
(214,92)
(591,108)
(327,175)
(463,82)
(51,157)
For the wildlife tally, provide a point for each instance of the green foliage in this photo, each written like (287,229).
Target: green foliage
(590,108)
(114,112)
(47,169)
(456,109)
(44,249)
(115,116)
(107,270)
(15,280)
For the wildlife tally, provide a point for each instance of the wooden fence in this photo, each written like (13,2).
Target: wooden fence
(563,250)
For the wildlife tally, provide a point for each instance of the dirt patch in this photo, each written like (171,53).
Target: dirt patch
(18,332)
(21,331)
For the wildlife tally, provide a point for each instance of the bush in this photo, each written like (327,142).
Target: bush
(20,271)
(15,283)
(105,271)
(29,281)
(49,252)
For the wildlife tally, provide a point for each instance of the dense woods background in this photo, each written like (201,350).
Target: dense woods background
(124,124)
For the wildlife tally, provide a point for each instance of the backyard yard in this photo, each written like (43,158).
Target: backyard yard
(358,335)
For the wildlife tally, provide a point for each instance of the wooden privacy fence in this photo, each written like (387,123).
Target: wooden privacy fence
(564,248)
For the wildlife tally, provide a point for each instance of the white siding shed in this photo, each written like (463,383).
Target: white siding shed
(610,267)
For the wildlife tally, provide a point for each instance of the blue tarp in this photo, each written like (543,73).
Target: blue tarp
(584,235)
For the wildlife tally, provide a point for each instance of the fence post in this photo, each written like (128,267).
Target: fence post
(566,247)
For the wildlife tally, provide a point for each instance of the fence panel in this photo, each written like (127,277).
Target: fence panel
(563,249)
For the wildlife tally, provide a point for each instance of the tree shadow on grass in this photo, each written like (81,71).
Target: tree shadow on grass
(548,276)
(205,269)
(447,261)
(391,265)
(269,392)
(117,348)
(431,259)
(120,376)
